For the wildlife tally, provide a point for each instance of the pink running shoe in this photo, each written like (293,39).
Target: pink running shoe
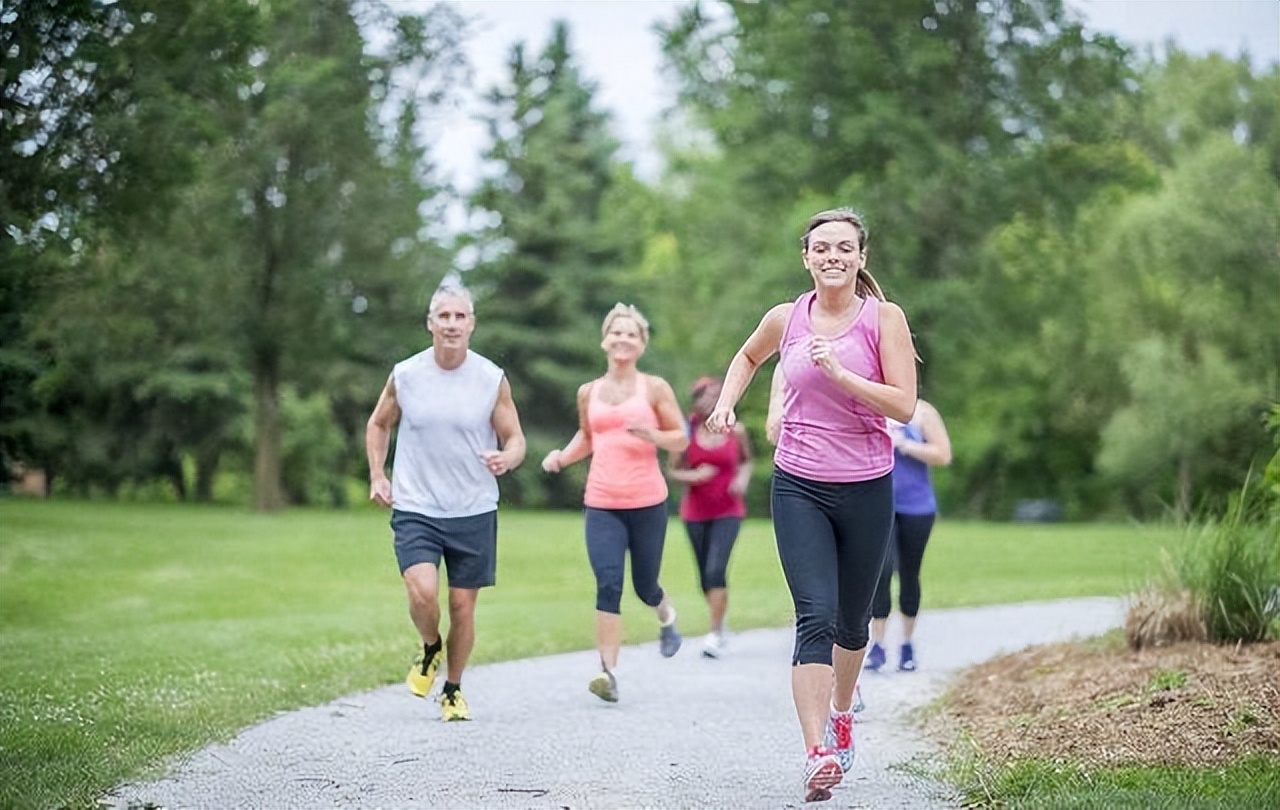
(838,738)
(820,775)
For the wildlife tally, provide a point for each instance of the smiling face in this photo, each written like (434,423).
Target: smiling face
(623,338)
(451,322)
(833,254)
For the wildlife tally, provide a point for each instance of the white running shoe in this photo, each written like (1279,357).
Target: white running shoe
(713,645)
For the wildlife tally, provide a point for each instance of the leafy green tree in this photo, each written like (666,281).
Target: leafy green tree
(942,123)
(1184,284)
(104,108)
(311,245)
(553,260)
(280,259)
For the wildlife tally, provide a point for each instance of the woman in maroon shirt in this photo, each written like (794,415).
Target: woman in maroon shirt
(715,468)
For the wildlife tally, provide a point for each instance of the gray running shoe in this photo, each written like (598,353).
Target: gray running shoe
(669,639)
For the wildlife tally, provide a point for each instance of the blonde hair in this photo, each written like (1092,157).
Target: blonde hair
(866,283)
(621,310)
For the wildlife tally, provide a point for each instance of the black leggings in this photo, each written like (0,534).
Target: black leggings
(832,540)
(712,542)
(906,553)
(611,533)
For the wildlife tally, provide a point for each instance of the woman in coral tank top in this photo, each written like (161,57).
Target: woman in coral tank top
(715,469)
(624,418)
(848,363)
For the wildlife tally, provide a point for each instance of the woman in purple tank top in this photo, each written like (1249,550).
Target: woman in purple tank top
(848,362)
(917,445)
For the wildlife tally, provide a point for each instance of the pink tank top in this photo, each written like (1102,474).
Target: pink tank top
(624,470)
(828,435)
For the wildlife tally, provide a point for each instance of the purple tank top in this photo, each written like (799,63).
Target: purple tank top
(828,435)
(912,486)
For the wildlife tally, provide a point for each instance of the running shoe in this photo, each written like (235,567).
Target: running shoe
(838,738)
(821,773)
(604,686)
(907,659)
(713,645)
(875,657)
(858,705)
(669,637)
(423,674)
(454,707)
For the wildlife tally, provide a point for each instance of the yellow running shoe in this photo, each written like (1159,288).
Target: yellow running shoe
(423,674)
(604,686)
(454,707)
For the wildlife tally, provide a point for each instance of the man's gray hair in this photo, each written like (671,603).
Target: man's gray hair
(451,287)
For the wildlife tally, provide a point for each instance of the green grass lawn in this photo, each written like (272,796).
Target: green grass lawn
(130,633)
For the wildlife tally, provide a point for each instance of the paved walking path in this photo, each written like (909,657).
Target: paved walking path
(688,731)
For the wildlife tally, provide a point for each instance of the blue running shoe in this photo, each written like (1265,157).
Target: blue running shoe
(907,660)
(875,657)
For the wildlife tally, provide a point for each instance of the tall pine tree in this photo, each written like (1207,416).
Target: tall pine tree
(550,264)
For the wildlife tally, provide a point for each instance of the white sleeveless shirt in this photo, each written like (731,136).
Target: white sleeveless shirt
(445,424)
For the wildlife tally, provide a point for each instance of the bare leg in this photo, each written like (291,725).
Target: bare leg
(608,637)
(847,665)
(665,611)
(462,630)
(718,605)
(878,629)
(811,691)
(422,583)
(908,627)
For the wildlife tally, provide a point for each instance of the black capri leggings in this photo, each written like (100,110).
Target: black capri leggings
(712,542)
(832,540)
(906,553)
(613,532)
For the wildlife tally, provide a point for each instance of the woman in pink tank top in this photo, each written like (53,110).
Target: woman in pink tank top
(847,363)
(624,418)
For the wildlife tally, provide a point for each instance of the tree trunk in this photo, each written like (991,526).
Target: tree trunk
(268,495)
(206,470)
(1183,505)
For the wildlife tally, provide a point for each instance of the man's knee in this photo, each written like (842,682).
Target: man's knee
(422,583)
(462,604)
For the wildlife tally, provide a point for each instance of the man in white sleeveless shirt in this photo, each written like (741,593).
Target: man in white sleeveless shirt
(457,431)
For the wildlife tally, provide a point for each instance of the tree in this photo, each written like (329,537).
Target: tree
(291,233)
(550,265)
(1184,282)
(103,110)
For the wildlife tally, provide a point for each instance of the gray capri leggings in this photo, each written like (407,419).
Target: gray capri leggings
(832,539)
(712,542)
(611,533)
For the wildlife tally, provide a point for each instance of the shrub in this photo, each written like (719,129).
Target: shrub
(1232,565)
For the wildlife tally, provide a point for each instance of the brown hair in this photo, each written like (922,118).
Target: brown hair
(866,283)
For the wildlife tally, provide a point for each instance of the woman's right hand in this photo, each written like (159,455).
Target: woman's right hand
(551,463)
(721,420)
